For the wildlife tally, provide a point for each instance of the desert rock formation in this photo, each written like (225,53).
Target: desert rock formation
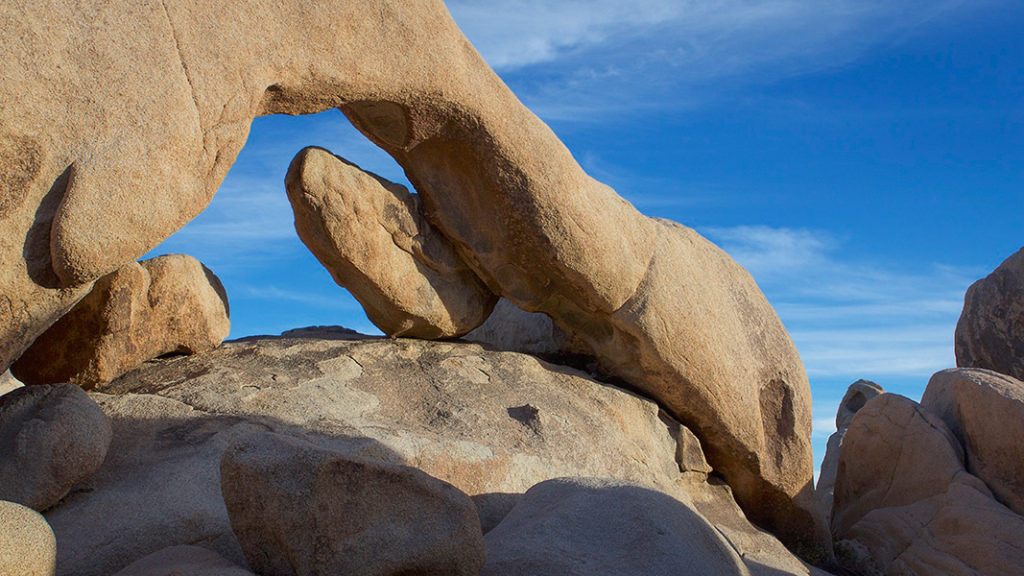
(857,395)
(985,411)
(579,526)
(370,234)
(370,518)
(168,304)
(51,437)
(990,333)
(493,424)
(904,504)
(83,80)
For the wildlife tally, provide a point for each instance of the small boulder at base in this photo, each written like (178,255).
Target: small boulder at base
(855,398)
(183,561)
(27,545)
(985,411)
(301,510)
(990,333)
(371,236)
(586,526)
(904,504)
(51,437)
(169,304)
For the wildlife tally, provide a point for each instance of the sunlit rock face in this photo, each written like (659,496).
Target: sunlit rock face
(120,120)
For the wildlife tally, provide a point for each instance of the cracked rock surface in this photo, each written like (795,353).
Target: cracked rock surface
(492,424)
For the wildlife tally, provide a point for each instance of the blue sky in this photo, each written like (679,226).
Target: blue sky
(864,160)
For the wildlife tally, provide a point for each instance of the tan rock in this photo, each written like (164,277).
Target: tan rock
(300,510)
(83,109)
(985,411)
(169,304)
(183,561)
(52,438)
(8,382)
(905,505)
(369,233)
(857,395)
(491,423)
(27,545)
(582,526)
(990,332)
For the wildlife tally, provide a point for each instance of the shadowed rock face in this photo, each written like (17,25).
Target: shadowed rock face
(990,332)
(168,304)
(120,121)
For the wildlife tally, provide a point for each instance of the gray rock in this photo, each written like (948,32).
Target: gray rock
(183,561)
(985,411)
(8,382)
(990,332)
(51,437)
(27,545)
(300,510)
(492,424)
(583,526)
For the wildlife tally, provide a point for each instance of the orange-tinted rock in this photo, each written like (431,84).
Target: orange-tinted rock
(170,304)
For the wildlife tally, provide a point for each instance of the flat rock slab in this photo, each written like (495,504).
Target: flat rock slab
(300,510)
(492,424)
(51,438)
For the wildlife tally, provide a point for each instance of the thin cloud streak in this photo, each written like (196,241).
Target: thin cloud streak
(573,60)
(851,320)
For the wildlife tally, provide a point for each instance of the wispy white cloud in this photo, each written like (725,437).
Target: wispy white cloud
(849,318)
(570,59)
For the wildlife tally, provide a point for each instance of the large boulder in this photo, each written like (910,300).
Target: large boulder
(583,526)
(372,237)
(985,411)
(51,438)
(491,423)
(512,328)
(27,545)
(857,395)
(102,158)
(169,304)
(183,561)
(990,332)
(904,504)
(300,510)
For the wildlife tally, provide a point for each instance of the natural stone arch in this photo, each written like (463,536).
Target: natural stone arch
(145,104)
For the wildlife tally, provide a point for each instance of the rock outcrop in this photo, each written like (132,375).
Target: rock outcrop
(51,437)
(372,237)
(169,304)
(183,561)
(663,308)
(985,411)
(990,333)
(857,395)
(492,424)
(904,504)
(510,328)
(583,526)
(27,545)
(300,510)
